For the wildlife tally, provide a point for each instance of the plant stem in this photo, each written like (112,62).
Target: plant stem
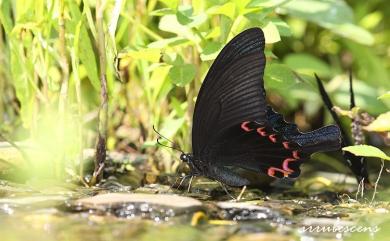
(103,111)
(377,181)
(64,86)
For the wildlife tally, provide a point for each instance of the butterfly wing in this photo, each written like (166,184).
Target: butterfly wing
(276,148)
(232,90)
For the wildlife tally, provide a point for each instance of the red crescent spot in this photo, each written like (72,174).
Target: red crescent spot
(261,131)
(245,127)
(271,171)
(285,164)
(295,154)
(286,144)
(272,138)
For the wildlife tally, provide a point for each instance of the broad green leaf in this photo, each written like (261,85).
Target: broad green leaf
(283,28)
(210,51)
(385,96)
(182,74)
(271,33)
(380,124)
(228,9)
(354,32)
(367,151)
(278,76)
(307,64)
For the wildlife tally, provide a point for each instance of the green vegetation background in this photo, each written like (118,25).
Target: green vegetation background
(157,54)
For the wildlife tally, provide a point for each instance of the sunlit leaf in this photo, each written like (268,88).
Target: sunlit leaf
(182,74)
(5,16)
(171,126)
(228,9)
(271,33)
(354,32)
(149,54)
(172,4)
(385,96)
(367,151)
(371,20)
(380,124)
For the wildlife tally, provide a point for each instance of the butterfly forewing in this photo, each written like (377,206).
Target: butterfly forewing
(232,90)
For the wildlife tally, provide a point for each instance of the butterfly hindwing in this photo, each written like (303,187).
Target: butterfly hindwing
(276,148)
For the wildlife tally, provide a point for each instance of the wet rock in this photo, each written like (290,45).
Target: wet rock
(240,211)
(156,207)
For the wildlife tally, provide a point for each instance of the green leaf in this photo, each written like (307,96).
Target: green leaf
(210,51)
(385,96)
(228,9)
(320,11)
(371,68)
(283,28)
(307,64)
(171,126)
(334,15)
(278,76)
(172,4)
(367,151)
(172,42)
(5,16)
(149,54)
(380,124)
(182,74)
(88,57)
(271,33)
(267,3)
(354,32)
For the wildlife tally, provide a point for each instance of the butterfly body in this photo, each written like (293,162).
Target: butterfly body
(234,127)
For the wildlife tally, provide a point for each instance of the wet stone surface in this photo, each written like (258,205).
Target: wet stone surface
(116,211)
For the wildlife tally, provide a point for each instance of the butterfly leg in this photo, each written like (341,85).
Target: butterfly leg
(241,193)
(190,183)
(227,176)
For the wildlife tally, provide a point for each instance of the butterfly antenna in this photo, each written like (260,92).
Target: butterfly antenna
(160,136)
(352,95)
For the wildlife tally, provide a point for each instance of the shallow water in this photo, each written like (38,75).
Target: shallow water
(156,212)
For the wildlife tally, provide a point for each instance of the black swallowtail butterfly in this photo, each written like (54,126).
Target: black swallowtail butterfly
(233,127)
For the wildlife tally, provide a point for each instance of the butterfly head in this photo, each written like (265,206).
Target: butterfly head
(186,157)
